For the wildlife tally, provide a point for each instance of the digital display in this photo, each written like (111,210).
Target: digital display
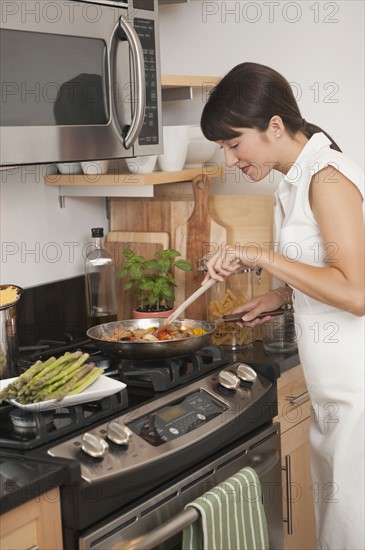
(176,419)
(172,413)
(144,5)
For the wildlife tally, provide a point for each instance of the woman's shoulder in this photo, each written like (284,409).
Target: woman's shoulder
(338,161)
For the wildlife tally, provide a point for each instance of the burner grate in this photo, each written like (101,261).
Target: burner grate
(24,430)
(169,373)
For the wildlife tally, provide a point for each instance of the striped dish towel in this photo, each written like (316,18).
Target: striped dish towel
(232,516)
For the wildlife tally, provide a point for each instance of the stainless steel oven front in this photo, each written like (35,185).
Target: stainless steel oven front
(142,468)
(158,521)
(80,80)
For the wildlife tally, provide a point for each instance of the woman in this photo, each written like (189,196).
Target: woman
(319,255)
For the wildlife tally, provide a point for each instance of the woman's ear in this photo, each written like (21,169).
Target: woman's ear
(276,126)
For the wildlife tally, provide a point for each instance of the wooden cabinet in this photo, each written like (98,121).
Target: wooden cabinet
(294,416)
(33,525)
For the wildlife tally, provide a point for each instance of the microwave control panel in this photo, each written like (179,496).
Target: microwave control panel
(145,29)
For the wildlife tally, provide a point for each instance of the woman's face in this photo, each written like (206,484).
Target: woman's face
(253,152)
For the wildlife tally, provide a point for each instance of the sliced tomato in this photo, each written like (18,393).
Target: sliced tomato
(163,335)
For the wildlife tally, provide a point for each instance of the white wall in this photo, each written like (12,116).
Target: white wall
(41,242)
(318,46)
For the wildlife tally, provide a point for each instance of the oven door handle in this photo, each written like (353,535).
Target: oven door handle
(139,94)
(185,518)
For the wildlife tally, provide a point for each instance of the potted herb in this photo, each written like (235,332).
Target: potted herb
(152,280)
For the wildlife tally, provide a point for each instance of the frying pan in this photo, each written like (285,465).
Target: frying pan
(161,349)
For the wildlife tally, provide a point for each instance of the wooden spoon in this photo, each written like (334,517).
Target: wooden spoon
(182,307)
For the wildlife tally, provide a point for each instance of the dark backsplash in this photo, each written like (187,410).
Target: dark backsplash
(54,311)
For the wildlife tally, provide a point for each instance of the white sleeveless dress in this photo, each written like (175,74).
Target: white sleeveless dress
(331,351)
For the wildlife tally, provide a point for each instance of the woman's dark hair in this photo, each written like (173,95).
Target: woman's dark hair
(248,97)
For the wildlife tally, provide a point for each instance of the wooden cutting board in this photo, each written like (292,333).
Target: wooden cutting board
(144,243)
(196,238)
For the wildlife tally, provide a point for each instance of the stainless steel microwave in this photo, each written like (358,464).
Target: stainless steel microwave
(80,80)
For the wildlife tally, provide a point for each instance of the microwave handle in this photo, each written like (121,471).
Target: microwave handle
(139,82)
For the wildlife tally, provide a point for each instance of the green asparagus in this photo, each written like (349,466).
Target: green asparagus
(52,379)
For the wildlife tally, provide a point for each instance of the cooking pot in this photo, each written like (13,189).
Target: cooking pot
(8,335)
(155,350)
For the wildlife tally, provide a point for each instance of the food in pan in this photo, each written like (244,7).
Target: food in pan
(151,334)
(230,334)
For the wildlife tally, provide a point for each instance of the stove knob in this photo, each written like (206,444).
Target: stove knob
(228,380)
(118,433)
(94,445)
(246,373)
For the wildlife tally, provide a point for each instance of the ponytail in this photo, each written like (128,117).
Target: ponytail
(310,129)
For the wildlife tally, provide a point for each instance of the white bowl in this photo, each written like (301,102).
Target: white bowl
(69,168)
(175,147)
(92,167)
(142,165)
(200,150)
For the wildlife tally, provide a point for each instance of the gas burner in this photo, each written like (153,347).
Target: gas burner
(23,430)
(25,423)
(44,349)
(168,373)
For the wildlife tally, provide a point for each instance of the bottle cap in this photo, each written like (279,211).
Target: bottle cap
(97,232)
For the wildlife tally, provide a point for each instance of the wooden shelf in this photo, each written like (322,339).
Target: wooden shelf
(178,81)
(180,87)
(127,184)
(130,179)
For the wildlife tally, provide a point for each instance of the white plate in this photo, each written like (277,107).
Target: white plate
(102,387)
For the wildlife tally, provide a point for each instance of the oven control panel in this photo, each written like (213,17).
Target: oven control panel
(177,418)
(221,406)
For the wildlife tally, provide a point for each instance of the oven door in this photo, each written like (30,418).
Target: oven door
(74,84)
(136,529)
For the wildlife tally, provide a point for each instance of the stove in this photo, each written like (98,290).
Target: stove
(178,427)
(169,373)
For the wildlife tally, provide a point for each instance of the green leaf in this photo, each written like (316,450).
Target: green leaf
(184,265)
(146,285)
(136,271)
(128,285)
(168,293)
(150,264)
(123,273)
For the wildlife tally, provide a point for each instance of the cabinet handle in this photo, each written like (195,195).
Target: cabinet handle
(298,399)
(289,519)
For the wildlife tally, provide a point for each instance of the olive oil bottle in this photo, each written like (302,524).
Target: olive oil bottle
(101,279)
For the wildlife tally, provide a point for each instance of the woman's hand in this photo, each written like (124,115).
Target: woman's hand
(267,302)
(229,259)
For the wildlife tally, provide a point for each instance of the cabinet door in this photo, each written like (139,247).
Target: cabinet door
(299,526)
(293,399)
(33,525)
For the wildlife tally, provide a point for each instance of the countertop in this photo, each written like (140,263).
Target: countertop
(257,354)
(23,478)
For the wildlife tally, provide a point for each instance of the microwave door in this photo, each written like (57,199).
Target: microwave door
(65,86)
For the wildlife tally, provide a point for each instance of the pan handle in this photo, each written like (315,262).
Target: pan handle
(238,316)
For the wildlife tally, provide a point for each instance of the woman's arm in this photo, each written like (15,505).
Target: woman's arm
(337,206)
